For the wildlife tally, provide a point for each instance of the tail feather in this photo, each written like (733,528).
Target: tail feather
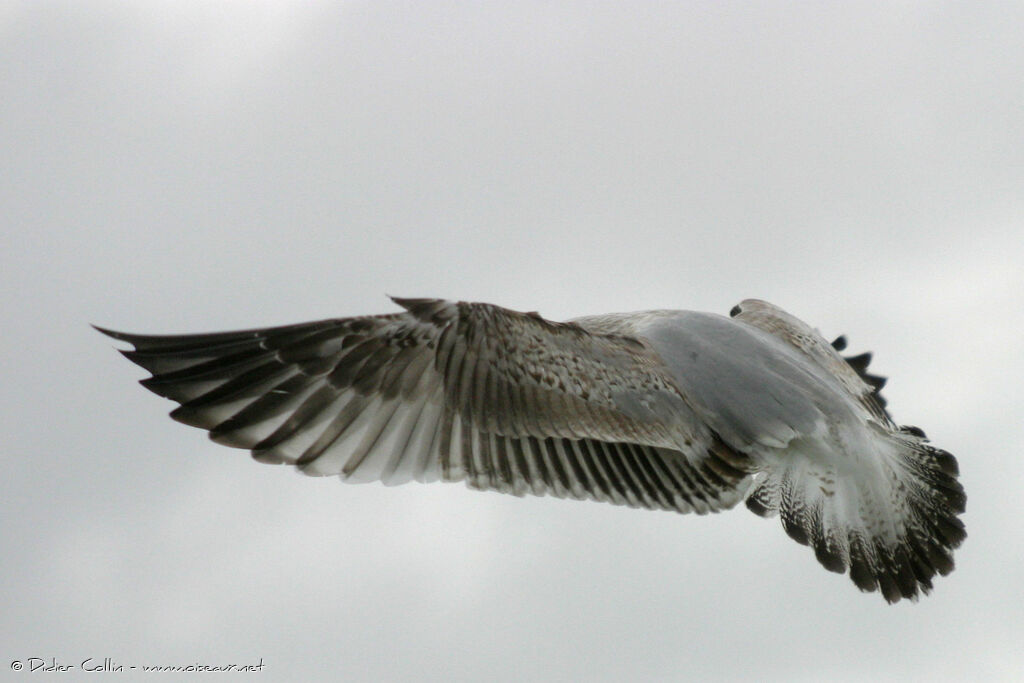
(893,527)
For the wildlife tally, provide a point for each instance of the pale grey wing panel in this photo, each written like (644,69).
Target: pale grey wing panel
(449,392)
(849,373)
(743,383)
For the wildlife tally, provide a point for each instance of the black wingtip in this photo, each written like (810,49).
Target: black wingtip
(132,339)
(110,333)
(915,431)
(860,362)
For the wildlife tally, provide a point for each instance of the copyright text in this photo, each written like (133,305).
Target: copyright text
(109,665)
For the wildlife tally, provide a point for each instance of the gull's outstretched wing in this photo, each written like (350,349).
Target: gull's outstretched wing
(451,391)
(864,492)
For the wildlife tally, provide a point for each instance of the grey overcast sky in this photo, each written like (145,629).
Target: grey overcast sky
(198,166)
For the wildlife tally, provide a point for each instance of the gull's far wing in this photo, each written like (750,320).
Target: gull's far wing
(451,391)
(851,372)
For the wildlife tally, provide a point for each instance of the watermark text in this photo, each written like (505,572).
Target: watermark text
(110,665)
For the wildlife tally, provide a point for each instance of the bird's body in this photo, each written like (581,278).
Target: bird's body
(675,410)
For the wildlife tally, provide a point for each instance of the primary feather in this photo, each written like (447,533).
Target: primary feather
(673,410)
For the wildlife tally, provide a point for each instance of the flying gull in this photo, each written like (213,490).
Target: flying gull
(669,410)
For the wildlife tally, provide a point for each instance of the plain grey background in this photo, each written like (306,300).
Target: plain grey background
(198,166)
